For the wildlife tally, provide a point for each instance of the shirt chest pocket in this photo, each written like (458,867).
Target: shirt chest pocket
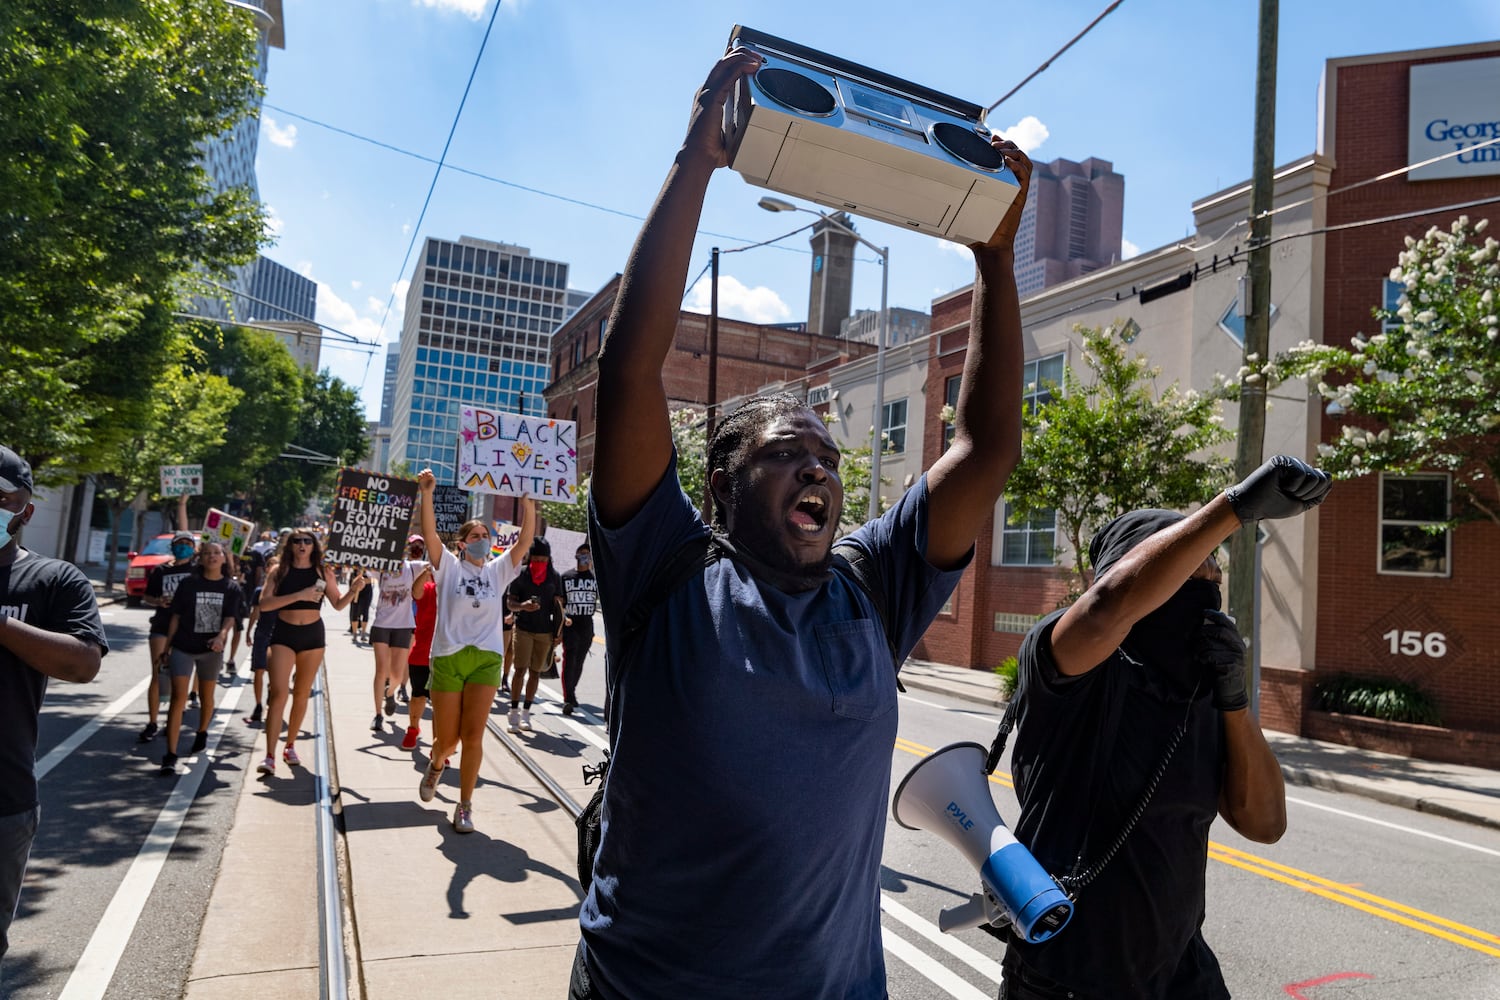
(857,667)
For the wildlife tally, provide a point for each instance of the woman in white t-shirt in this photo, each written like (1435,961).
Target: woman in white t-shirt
(391,631)
(467,646)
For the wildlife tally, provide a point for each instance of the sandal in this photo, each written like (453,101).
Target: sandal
(289,754)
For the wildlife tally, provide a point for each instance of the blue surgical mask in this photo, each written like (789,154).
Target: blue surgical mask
(5,535)
(184,551)
(478,548)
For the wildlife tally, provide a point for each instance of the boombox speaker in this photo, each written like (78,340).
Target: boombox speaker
(855,139)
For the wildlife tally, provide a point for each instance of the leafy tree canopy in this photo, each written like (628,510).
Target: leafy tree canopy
(1107,442)
(1420,395)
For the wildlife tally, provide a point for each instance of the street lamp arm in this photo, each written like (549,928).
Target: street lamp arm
(777,205)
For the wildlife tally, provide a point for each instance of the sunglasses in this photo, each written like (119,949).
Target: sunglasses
(302,541)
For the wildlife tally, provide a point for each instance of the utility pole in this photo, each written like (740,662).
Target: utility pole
(1244,581)
(713,376)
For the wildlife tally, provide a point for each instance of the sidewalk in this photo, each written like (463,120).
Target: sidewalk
(1471,794)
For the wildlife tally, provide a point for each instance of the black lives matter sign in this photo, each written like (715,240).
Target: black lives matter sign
(450,506)
(372,517)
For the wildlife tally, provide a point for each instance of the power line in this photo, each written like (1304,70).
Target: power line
(1038,71)
(417,229)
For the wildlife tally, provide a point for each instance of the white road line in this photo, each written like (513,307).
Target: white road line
(992,717)
(592,733)
(59,753)
(1395,826)
(975,959)
(96,967)
(939,974)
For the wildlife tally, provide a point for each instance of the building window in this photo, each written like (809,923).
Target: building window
(1411,510)
(893,427)
(1391,299)
(1031,542)
(950,398)
(1038,379)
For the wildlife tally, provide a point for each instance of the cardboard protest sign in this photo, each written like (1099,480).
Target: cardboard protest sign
(503,535)
(181,480)
(450,508)
(234,533)
(372,517)
(515,455)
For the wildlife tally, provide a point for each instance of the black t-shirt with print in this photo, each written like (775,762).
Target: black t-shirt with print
(545,618)
(162,582)
(580,599)
(202,607)
(54,596)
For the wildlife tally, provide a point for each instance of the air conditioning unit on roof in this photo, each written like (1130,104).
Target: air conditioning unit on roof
(854,139)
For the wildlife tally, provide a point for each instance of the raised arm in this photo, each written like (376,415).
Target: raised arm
(633,442)
(970,476)
(1152,571)
(521,551)
(427,518)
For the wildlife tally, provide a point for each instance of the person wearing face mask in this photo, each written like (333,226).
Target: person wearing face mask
(161,585)
(536,599)
(1142,677)
(50,629)
(467,644)
(580,600)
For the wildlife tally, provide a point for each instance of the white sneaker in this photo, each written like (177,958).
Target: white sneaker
(427,789)
(514,720)
(463,818)
(526,719)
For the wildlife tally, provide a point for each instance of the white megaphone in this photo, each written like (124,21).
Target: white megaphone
(947,794)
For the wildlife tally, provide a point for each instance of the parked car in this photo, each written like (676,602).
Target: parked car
(156,552)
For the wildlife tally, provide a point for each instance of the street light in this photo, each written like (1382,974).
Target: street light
(881,336)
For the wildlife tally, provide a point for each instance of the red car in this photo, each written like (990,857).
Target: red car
(156,552)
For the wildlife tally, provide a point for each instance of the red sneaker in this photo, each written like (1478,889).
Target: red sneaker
(409,741)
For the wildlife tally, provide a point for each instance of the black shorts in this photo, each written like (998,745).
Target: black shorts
(396,638)
(299,638)
(419,676)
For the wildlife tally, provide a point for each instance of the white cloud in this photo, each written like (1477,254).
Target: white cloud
(275,224)
(756,305)
(285,137)
(356,284)
(1128,249)
(304,268)
(344,317)
(468,8)
(1028,133)
(957,249)
(406,229)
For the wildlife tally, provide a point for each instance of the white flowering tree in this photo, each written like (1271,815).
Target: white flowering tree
(1424,393)
(1110,442)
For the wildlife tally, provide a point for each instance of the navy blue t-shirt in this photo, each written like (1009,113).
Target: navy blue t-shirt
(1085,749)
(744,812)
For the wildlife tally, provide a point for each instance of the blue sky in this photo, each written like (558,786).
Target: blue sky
(579,105)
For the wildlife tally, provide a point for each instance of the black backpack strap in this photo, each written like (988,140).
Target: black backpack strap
(864,571)
(1007,723)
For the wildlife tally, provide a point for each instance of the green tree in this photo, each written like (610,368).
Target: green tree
(106,215)
(331,421)
(264,420)
(187,419)
(1421,394)
(1110,443)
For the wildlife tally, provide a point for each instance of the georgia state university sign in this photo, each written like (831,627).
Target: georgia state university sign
(1455,106)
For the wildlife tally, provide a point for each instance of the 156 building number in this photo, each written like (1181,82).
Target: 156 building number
(1413,643)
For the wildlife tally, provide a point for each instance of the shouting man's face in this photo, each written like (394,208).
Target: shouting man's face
(784,502)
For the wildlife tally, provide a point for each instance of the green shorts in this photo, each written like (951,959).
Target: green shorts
(469,665)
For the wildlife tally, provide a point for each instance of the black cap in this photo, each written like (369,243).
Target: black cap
(541,547)
(15,474)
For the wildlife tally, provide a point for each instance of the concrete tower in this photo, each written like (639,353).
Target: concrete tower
(832,283)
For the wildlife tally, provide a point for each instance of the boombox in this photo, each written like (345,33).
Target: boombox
(855,139)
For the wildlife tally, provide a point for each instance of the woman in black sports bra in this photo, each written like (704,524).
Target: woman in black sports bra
(295,591)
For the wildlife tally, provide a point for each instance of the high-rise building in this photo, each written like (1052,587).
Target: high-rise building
(1072,224)
(262,290)
(906,325)
(831,283)
(478,330)
(388,389)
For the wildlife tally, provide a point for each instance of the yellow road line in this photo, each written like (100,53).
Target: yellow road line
(1378,906)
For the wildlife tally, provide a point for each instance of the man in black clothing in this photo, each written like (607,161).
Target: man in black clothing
(49,627)
(1141,663)
(535,597)
(580,599)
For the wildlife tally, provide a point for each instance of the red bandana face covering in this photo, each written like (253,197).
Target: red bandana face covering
(538,571)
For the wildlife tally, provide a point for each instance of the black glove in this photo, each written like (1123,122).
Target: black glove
(1283,487)
(1221,655)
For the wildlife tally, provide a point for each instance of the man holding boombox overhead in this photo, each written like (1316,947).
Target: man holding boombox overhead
(1133,698)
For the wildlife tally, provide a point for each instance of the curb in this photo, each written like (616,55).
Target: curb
(1329,781)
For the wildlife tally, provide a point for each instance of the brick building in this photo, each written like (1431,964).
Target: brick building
(750,355)
(1334,597)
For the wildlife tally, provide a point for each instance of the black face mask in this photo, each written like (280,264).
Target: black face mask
(1166,639)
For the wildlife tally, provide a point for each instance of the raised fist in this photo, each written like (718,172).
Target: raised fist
(1283,487)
